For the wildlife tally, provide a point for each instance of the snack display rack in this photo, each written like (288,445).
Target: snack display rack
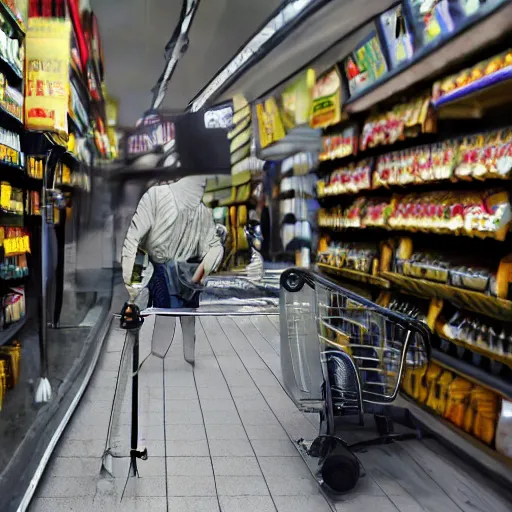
(413,182)
(235,198)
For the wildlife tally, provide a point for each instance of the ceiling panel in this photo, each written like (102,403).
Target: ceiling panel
(135,32)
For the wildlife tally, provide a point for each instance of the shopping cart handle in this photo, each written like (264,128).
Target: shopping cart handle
(294,279)
(131,317)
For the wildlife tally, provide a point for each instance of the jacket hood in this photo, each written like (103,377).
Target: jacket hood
(188,192)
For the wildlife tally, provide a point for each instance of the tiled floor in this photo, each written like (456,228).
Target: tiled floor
(219,438)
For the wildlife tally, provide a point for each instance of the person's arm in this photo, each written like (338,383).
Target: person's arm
(210,263)
(140,226)
(212,252)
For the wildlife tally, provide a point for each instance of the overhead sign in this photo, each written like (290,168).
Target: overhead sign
(153,133)
(184,141)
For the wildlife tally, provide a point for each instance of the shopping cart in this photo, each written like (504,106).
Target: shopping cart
(343,355)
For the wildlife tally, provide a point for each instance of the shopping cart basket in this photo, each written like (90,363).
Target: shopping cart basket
(342,354)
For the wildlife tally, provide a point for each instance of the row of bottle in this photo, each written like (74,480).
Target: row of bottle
(35,167)
(474,331)
(33,203)
(15,267)
(10,148)
(409,309)
(13,307)
(11,198)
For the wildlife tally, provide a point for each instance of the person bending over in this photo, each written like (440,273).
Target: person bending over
(173,226)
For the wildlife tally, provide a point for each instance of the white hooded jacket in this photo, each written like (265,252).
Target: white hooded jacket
(172,223)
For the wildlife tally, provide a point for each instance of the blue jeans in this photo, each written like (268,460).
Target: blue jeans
(168,291)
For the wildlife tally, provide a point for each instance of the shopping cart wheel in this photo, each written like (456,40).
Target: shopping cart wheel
(340,470)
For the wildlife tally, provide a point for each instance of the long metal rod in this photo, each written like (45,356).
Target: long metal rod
(135,402)
(248,310)
(174,50)
(52,159)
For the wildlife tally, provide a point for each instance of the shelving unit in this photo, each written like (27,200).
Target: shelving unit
(483,456)
(355,275)
(465,299)
(8,334)
(23,408)
(407,158)
(431,62)
(12,19)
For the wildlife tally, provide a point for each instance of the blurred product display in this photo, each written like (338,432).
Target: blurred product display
(409,186)
(47,108)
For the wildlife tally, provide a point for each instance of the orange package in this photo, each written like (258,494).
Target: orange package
(458,398)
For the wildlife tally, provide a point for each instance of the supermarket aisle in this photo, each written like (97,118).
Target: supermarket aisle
(219,439)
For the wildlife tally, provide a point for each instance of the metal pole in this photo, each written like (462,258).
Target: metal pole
(132,322)
(135,402)
(175,49)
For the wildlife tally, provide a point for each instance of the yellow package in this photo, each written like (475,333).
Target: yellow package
(326,108)
(417,383)
(482,414)
(5,196)
(270,126)
(458,398)
(47,86)
(438,393)
(428,382)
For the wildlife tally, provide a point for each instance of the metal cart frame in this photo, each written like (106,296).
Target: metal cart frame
(342,354)
(132,319)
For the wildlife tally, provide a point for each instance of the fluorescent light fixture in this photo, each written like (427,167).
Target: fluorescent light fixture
(287,14)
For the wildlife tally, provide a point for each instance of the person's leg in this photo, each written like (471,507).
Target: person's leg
(163,335)
(188,328)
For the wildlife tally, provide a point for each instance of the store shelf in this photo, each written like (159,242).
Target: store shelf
(501,358)
(452,183)
(12,19)
(11,220)
(17,177)
(11,117)
(354,275)
(71,158)
(485,457)
(465,299)
(6,166)
(473,374)
(12,70)
(8,334)
(432,62)
(476,97)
